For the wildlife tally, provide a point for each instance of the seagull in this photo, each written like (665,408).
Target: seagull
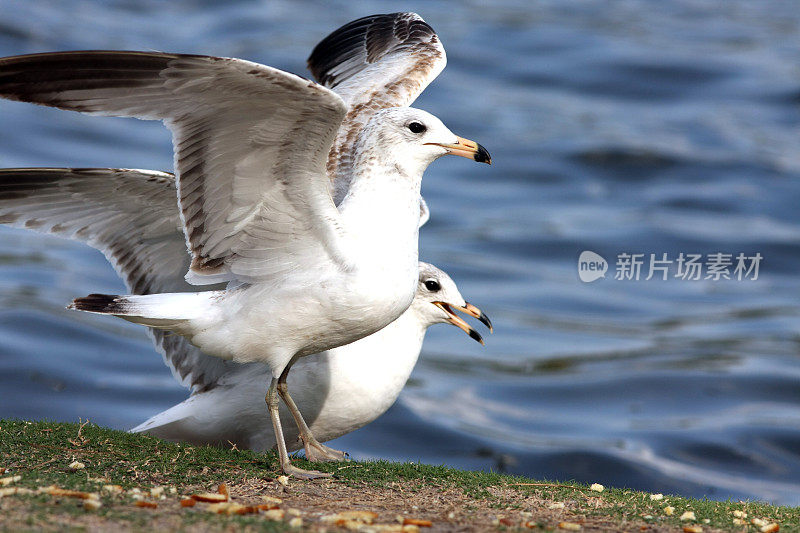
(302,273)
(349,61)
(340,390)
(374,63)
(131,217)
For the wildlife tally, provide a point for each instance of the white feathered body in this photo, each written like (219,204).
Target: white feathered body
(369,375)
(316,308)
(251,145)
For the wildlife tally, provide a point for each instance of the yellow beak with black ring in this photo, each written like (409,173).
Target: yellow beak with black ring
(466,148)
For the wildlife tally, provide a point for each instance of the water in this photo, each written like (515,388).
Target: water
(625,127)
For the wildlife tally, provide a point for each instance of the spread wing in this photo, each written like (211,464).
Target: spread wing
(250,145)
(373,63)
(131,216)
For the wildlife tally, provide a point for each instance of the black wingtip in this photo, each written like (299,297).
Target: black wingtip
(56,79)
(482,155)
(372,35)
(97,303)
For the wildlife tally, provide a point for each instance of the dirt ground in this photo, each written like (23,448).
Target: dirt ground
(56,477)
(326,505)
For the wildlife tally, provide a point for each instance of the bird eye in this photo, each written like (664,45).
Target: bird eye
(417,127)
(432,285)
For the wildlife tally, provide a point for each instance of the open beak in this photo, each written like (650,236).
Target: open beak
(471,310)
(460,323)
(468,149)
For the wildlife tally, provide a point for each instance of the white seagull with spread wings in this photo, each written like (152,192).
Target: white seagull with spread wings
(131,216)
(252,154)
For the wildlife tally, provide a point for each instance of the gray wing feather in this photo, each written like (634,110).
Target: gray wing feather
(373,63)
(250,141)
(131,216)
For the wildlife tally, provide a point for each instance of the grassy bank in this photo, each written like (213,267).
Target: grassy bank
(124,482)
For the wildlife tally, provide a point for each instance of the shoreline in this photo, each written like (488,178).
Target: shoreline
(64,475)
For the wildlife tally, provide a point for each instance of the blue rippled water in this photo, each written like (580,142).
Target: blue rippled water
(638,127)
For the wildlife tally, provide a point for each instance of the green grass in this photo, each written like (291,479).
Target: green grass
(41,451)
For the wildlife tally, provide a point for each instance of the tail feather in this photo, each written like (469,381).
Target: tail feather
(99,303)
(164,311)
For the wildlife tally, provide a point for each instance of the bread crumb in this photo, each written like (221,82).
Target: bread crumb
(92,504)
(274,514)
(417,522)
(146,505)
(8,491)
(9,480)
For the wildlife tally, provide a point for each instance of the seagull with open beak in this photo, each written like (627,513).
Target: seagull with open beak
(338,391)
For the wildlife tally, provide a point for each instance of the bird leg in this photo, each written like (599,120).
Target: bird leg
(315,450)
(283,456)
